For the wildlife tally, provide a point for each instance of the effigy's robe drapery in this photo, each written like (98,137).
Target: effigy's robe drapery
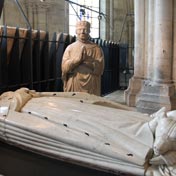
(85,77)
(78,127)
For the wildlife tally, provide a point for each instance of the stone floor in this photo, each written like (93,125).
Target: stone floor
(118,97)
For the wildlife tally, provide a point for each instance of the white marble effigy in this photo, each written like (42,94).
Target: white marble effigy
(89,130)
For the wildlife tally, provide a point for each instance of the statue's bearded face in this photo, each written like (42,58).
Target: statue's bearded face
(165,136)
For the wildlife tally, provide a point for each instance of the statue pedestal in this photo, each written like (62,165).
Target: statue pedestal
(132,92)
(154,96)
(17,162)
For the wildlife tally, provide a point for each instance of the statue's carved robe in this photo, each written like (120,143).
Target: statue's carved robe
(85,77)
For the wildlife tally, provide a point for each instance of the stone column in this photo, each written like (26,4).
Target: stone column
(107,21)
(150,45)
(135,82)
(159,91)
(130,38)
(111,21)
(174,47)
(163,33)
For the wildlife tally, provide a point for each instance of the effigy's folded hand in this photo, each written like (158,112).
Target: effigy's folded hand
(158,160)
(168,159)
(165,136)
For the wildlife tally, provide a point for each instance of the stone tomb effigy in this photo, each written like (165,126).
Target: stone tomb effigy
(89,131)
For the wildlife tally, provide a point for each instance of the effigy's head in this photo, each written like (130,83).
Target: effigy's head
(83,30)
(165,135)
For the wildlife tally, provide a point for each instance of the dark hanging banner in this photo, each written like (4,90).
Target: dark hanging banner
(1,6)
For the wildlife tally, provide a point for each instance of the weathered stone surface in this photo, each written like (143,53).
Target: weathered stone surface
(133,90)
(153,96)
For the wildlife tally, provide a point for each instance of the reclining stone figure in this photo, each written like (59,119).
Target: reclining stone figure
(90,131)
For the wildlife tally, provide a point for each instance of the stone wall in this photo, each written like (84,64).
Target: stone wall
(47,16)
(52,16)
(153,84)
(118,25)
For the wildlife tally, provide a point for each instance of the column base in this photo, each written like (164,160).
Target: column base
(154,96)
(132,91)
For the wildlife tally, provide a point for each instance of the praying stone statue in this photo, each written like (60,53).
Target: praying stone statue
(83,63)
(91,131)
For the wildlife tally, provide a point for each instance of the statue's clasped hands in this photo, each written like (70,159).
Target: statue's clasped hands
(80,55)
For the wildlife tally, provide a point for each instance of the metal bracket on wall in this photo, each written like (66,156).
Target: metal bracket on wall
(23,14)
(1,6)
